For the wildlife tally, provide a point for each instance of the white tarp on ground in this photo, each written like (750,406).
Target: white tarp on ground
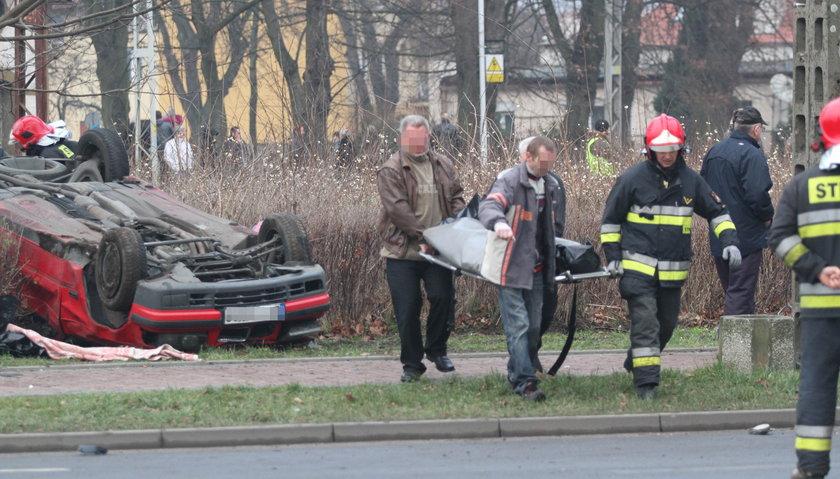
(61,350)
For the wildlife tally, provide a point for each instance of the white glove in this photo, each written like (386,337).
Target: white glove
(615,269)
(733,255)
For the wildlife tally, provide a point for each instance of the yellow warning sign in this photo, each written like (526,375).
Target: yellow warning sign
(495,71)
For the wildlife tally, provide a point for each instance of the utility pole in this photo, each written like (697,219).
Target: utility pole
(143,67)
(613,108)
(482,82)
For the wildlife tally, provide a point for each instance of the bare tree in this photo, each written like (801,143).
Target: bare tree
(700,79)
(309,94)
(582,53)
(202,75)
(112,66)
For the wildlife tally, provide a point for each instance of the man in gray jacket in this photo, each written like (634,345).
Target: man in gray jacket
(520,209)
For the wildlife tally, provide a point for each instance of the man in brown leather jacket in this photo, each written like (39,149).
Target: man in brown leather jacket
(418,189)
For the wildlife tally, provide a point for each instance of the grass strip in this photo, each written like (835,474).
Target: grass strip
(712,388)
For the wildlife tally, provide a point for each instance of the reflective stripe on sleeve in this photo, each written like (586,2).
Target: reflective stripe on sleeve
(721,223)
(791,249)
(610,233)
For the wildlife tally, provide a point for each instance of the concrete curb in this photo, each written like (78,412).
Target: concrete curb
(399,430)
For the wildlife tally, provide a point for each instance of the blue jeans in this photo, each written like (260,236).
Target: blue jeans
(521,316)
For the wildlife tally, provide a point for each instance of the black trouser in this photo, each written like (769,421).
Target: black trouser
(815,409)
(404,278)
(739,284)
(654,312)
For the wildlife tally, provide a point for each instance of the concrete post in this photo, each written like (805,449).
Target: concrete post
(750,342)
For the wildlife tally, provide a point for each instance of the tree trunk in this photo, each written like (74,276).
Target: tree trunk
(112,67)
(631,46)
(582,69)
(465,49)
(319,68)
(700,79)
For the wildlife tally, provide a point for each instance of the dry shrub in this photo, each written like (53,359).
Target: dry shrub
(340,208)
(11,273)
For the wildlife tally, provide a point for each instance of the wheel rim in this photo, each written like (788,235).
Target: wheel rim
(110,271)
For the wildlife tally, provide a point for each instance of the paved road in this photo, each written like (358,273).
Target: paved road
(724,455)
(63,379)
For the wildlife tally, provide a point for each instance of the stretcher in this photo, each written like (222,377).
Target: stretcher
(566,277)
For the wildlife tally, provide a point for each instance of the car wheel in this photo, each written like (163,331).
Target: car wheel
(43,169)
(120,264)
(107,148)
(288,230)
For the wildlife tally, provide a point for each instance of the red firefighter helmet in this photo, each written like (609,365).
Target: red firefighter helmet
(664,133)
(830,123)
(28,130)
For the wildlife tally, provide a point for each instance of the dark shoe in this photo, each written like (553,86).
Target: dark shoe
(646,392)
(409,376)
(442,363)
(800,474)
(531,392)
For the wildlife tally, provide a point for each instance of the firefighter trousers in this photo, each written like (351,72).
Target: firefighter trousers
(815,408)
(653,311)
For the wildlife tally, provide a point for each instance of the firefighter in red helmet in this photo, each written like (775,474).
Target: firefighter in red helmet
(806,235)
(37,138)
(646,238)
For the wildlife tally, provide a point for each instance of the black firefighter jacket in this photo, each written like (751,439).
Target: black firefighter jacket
(806,235)
(647,220)
(736,169)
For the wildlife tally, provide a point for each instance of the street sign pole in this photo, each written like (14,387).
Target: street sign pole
(482,83)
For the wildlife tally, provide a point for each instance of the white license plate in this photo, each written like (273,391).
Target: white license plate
(255,314)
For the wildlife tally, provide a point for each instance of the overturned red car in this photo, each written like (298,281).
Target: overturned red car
(111,259)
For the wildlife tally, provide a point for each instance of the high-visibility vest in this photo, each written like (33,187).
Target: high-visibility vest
(597,164)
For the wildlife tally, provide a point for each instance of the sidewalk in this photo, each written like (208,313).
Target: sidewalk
(344,371)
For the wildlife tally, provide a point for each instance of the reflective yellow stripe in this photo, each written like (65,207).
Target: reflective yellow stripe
(673,275)
(794,254)
(66,151)
(642,362)
(684,221)
(610,238)
(827,301)
(822,229)
(811,444)
(630,265)
(726,225)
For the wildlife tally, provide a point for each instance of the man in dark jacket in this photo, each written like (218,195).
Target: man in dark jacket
(418,189)
(736,169)
(445,136)
(520,208)
(646,236)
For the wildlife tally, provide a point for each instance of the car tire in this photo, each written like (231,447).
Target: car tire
(107,148)
(288,228)
(120,265)
(87,171)
(43,169)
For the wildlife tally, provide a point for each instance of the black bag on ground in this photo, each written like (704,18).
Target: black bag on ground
(577,258)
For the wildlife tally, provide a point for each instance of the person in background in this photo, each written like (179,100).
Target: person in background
(445,136)
(346,152)
(235,148)
(599,150)
(165,130)
(178,153)
(736,169)
(418,188)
